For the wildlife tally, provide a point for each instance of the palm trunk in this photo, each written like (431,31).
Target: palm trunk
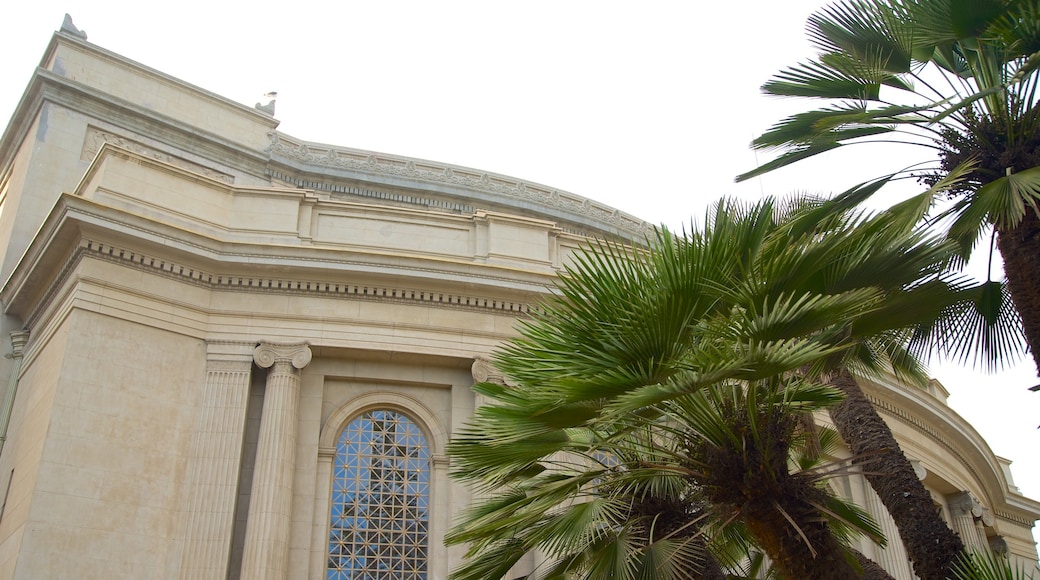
(1020,248)
(930,543)
(803,546)
(675,518)
(710,569)
(871,569)
(780,509)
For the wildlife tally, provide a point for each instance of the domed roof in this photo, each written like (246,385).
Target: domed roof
(398,180)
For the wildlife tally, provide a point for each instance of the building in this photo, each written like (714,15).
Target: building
(212,325)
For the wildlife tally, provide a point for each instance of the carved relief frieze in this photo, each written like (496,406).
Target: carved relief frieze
(96,138)
(324,156)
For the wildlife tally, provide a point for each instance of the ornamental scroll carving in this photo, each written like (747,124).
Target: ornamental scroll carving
(919,469)
(96,138)
(484,371)
(267,354)
(968,505)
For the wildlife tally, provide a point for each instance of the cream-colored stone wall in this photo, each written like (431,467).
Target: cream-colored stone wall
(39,175)
(111,478)
(136,429)
(27,437)
(172,195)
(126,80)
(956,465)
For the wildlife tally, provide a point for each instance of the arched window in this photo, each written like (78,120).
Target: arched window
(380,500)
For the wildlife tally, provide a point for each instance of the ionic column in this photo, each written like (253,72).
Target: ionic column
(266,553)
(484,371)
(215,461)
(892,557)
(964,509)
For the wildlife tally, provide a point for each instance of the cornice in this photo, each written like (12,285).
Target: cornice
(1018,519)
(908,418)
(47,86)
(910,413)
(155,75)
(413,295)
(462,185)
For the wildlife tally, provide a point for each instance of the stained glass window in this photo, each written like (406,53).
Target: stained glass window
(380,500)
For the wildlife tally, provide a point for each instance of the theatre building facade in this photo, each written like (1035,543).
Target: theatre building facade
(235,354)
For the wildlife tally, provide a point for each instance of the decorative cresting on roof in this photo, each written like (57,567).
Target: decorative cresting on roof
(429,171)
(266,284)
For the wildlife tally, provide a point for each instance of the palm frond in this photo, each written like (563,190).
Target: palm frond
(989,566)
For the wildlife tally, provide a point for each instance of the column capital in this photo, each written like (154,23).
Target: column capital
(484,371)
(269,353)
(919,469)
(18,340)
(966,503)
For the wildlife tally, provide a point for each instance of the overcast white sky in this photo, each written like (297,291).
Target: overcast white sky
(648,108)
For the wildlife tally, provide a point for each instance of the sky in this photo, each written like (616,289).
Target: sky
(649,109)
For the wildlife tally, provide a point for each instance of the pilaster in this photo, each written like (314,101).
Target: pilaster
(215,461)
(893,557)
(18,340)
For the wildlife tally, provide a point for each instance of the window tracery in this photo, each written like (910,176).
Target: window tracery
(380,500)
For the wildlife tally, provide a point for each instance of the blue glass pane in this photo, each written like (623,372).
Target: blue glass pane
(380,496)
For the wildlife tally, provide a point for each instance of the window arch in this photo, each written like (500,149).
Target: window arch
(379,527)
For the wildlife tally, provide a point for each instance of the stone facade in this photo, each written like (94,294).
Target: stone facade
(197,306)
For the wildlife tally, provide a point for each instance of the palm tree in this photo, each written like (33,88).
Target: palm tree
(755,295)
(967,75)
(957,77)
(989,566)
(592,513)
(829,251)
(885,256)
(658,498)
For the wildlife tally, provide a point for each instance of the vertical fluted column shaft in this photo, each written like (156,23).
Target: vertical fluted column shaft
(215,461)
(18,340)
(266,553)
(963,510)
(892,557)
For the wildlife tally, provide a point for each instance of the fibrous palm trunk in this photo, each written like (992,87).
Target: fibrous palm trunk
(710,569)
(871,569)
(930,543)
(1020,248)
(800,545)
(750,475)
